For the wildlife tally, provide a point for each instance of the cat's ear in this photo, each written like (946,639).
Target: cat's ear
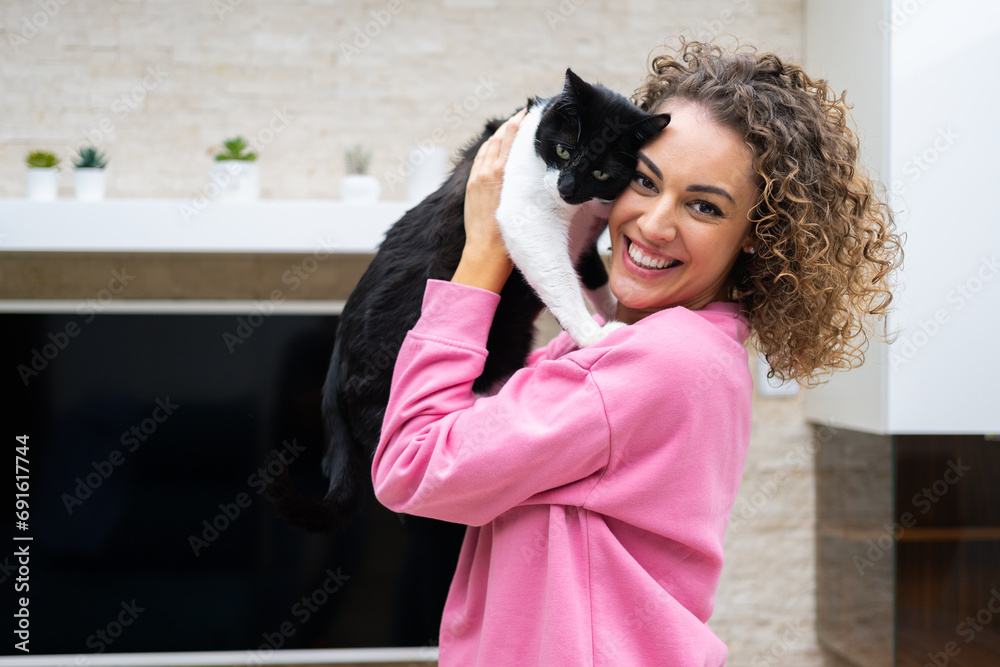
(650,126)
(659,121)
(572,80)
(574,86)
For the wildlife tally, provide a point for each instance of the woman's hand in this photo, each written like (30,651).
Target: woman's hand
(485,262)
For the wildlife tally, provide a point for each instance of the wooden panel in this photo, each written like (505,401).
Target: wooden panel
(855,550)
(948,562)
(60,275)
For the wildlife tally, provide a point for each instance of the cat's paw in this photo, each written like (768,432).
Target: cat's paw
(591,335)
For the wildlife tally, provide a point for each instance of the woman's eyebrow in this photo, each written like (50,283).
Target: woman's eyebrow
(710,189)
(649,163)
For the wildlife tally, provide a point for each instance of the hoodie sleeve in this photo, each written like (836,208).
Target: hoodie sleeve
(445,454)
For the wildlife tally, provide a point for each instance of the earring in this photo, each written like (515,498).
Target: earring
(751,250)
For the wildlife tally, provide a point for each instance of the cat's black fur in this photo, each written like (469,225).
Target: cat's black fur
(427,243)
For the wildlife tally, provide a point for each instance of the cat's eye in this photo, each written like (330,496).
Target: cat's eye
(562,152)
(601,175)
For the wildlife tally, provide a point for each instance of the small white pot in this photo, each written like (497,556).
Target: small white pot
(237,180)
(89,183)
(360,188)
(429,171)
(43,184)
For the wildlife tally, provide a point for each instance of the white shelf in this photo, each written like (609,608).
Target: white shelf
(176,225)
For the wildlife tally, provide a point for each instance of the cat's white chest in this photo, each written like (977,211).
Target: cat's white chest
(545,236)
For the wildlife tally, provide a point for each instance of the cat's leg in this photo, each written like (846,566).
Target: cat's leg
(584,340)
(538,244)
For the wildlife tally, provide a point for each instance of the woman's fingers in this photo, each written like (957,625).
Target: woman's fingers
(492,155)
(485,262)
(506,133)
(482,192)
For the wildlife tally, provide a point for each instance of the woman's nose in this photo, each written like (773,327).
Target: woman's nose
(658,223)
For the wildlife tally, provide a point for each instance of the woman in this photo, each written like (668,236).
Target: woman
(598,483)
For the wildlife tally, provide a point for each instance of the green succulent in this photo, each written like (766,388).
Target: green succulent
(41,160)
(90,158)
(234,151)
(358,160)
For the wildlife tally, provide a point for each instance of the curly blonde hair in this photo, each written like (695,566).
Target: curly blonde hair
(823,235)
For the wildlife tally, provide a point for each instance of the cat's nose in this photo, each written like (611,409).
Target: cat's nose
(567,184)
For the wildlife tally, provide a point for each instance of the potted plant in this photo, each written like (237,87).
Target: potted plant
(42,176)
(358,186)
(235,171)
(89,177)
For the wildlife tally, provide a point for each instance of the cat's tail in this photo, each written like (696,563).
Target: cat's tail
(333,512)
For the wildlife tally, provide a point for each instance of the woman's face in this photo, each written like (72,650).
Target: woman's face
(679,226)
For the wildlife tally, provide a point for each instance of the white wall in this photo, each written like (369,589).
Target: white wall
(933,120)
(844,44)
(945,141)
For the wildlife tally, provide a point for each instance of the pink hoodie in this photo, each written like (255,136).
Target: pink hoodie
(597,483)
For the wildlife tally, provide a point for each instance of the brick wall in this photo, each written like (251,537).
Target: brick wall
(157,84)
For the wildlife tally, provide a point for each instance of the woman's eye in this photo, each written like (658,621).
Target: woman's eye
(707,208)
(601,175)
(643,181)
(562,152)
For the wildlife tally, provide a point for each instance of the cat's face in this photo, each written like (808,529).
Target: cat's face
(590,136)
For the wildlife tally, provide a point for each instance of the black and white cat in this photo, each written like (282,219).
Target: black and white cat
(573,154)
(569,161)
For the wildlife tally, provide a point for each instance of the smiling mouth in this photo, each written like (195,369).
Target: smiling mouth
(649,262)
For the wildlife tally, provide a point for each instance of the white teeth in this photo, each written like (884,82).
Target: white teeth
(648,262)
